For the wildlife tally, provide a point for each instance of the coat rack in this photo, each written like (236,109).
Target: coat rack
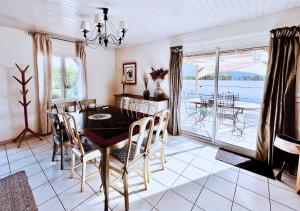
(25,104)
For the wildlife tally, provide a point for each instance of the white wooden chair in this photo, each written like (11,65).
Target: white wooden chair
(159,138)
(129,105)
(132,155)
(142,109)
(81,148)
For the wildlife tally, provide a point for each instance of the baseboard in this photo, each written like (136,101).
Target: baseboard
(7,141)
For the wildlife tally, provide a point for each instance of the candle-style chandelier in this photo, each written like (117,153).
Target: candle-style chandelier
(100,35)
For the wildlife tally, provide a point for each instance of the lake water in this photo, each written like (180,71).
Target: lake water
(248,91)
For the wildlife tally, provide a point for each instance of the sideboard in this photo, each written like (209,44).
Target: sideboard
(155,105)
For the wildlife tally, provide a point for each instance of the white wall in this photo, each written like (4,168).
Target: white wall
(16,46)
(153,54)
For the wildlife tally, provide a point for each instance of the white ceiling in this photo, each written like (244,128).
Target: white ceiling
(147,19)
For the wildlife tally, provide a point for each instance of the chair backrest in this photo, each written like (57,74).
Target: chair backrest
(142,107)
(87,104)
(128,104)
(66,106)
(162,118)
(56,126)
(72,132)
(139,131)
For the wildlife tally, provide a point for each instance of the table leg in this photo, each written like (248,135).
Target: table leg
(104,166)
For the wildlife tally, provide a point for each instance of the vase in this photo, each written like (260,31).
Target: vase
(146,94)
(158,92)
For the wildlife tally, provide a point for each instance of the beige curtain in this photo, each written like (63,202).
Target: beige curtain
(278,108)
(82,79)
(42,53)
(175,87)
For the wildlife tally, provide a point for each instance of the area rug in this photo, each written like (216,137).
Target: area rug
(245,162)
(16,194)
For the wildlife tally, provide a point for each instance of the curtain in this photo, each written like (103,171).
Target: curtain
(82,79)
(175,87)
(278,108)
(42,53)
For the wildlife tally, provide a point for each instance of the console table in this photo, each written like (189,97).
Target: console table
(155,105)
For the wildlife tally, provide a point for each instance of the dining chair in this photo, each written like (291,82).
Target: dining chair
(129,105)
(87,104)
(129,157)
(142,109)
(82,148)
(69,106)
(60,137)
(159,138)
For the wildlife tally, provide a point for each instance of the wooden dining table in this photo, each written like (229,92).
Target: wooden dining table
(110,132)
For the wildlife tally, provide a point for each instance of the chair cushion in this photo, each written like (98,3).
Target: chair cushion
(87,144)
(121,153)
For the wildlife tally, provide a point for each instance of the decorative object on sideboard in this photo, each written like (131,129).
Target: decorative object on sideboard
(129,71)
(146,93)
(103,37)
(158,75)
(24,92)
(123,82)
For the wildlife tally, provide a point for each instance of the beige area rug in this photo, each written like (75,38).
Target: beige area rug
(16,194)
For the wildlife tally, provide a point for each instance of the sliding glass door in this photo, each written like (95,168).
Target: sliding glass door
(222,94)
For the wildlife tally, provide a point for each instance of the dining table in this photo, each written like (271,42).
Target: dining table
(107,127)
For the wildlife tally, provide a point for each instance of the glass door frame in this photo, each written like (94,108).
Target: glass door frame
(212,140)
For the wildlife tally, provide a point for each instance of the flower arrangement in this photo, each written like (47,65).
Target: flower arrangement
(158,74)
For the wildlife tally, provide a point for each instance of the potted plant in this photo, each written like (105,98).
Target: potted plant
(146,93)
(158,75)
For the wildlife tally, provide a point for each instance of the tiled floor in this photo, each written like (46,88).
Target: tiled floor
(192,180)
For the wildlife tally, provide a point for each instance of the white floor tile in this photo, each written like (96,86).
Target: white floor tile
(165,177)
(43,194)
(211,201)
(37,180)
(176,165)
(203,164)
(31,169)
(45,164)
(257,176)
(73,197)
(253,184)
(225,172)
(195,208)
(3,160)
(185,156)
(195,174)
(237,207)
(285,197)
(136,202)
(279,207)
(283,184)
(4,169)
(154,192)
(64,182)
(51,205)
(44,155)
(172,201)
(55,171)
(94,203)
(187,189)
(19,155)
(251,200)
(221,186)
(22,163)
(13,147)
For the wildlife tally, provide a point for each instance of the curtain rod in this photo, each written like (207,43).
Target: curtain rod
(53,37)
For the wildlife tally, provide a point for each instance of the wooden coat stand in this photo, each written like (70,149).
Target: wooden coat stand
(24,92)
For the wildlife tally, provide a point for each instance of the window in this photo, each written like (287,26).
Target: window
(65,77)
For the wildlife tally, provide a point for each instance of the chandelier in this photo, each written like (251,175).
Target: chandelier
(100,35)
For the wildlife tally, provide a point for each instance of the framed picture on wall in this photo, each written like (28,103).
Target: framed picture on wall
(129,71)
